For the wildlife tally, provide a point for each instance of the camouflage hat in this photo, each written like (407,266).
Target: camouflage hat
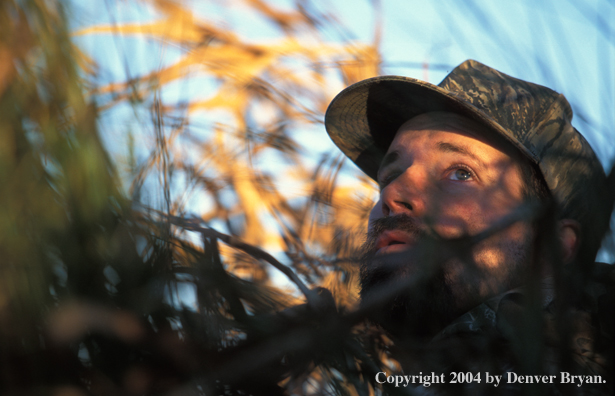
(363,119)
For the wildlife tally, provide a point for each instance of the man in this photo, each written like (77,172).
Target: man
(488,197)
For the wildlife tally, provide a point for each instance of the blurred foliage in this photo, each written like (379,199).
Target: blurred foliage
(102,293)
(93,296)
(264,91)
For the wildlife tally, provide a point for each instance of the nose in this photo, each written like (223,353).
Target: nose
(406,194)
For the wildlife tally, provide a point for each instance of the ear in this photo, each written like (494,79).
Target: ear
(569,232)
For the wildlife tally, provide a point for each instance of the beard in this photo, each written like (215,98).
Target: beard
(419,291)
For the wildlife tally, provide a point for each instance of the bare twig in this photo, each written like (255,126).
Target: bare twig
(196,225)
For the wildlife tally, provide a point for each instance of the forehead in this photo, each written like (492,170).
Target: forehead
(449,126)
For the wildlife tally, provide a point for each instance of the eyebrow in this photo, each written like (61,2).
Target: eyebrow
(447,147)
(388,159)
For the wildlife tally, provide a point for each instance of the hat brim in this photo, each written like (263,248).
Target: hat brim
(363,119)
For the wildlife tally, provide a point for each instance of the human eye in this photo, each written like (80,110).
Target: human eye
(460,173)
(387,178)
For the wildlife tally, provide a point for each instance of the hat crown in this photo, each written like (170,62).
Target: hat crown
(516,105)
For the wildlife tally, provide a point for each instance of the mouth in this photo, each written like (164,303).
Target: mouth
(394,241)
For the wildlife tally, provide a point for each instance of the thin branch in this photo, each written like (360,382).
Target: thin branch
(196,225)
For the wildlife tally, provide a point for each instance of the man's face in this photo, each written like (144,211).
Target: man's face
(445,177)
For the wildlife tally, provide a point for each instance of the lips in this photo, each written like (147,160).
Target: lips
(394,241)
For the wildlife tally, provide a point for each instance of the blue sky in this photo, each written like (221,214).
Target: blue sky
(549,42)
(566,45)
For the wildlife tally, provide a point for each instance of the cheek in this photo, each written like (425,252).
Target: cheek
(469,214)
(506,200)
(458,215)
(506,254)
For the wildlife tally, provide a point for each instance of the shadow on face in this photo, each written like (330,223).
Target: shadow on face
(444,177)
